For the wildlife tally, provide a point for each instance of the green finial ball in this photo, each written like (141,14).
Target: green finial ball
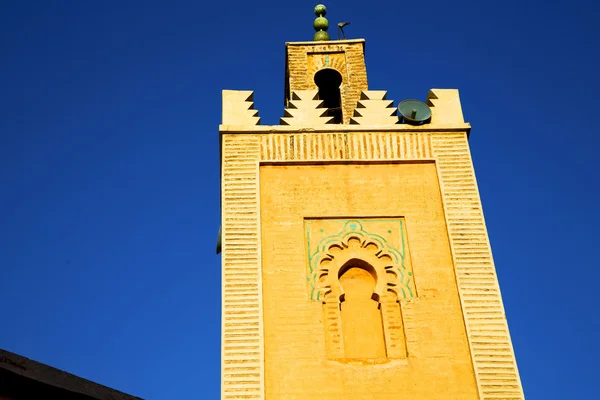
(320,10)
(321,35)
(321,24)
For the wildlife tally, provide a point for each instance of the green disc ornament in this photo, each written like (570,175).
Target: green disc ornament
(321,24)
(320,10)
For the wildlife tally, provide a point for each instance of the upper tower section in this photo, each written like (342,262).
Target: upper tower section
(335,69)
(326,89)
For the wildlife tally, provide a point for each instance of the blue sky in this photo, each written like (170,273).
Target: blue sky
(109,170)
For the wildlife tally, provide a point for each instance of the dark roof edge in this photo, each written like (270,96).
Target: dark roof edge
(57,378)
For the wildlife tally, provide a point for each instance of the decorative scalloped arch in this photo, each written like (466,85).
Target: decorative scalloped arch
(354,243)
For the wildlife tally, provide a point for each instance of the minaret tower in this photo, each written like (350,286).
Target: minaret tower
(356,261)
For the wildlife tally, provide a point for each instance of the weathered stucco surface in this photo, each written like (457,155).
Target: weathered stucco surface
(296,363)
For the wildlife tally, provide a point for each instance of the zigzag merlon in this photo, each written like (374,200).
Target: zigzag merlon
(305,109)
(374,109)
(238,108)
(445,106)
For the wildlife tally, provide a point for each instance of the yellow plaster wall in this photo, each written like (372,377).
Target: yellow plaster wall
(245,148)
(296,367)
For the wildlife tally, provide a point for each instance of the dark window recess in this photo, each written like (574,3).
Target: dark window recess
(328,81)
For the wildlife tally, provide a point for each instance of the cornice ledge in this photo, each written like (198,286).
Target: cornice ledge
(324,42)
(253,129)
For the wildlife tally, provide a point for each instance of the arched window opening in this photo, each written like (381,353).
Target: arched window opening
(362,324)
(328,81)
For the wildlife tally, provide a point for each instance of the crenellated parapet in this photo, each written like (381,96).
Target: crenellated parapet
(306,108)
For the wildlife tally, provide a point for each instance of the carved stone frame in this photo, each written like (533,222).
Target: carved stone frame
(337,257)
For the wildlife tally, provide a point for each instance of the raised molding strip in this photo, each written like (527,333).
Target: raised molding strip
(346,146)
(242,340)
(487,329)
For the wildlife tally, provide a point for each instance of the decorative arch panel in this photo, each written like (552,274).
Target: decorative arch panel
(381,243)
(378,246)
